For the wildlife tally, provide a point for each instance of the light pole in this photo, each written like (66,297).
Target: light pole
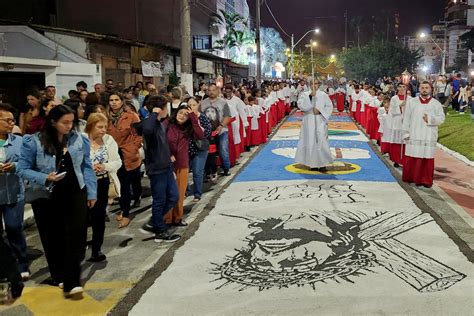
(312,45)
(293,45)
(443,52)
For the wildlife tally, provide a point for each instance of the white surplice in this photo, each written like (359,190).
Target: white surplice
(394,120)
(356,97)
(313,146)
(421,137)
(253,111)
(382,117)
(237,110)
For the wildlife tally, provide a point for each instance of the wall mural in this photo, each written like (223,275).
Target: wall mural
(320,246)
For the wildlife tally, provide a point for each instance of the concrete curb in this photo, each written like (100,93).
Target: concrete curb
(456,155)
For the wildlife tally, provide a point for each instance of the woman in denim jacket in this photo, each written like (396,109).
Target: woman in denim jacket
(58,159)
(12,203)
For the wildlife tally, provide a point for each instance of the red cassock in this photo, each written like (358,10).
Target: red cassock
(340,97)
(397,153)
(373,123)
(418,170)
(384,147)
(363,117)
(357,112)
(248,139)
(263,127)
(256,134)
(281,110)
(273,117)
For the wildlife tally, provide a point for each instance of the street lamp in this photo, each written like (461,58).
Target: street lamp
(443,51)
(293,45)
(312,45)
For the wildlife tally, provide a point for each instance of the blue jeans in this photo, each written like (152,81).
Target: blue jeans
(197,166)
(164,192)
(13,217)
(224,150)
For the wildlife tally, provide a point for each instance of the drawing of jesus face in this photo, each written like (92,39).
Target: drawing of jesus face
(289,245)
(211,113)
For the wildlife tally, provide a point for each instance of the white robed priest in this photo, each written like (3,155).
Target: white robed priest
(313,146)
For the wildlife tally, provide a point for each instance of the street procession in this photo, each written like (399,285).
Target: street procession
(237,157)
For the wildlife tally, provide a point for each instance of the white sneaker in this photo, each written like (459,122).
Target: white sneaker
(61,285)
(76,292)
(25,275)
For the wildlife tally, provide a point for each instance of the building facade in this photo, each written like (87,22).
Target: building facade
(459,19)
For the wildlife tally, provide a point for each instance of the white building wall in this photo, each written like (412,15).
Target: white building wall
(68,74)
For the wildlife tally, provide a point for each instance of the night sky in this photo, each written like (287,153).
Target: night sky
(297,16)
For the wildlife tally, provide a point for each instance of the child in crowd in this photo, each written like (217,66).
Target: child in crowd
(382,116)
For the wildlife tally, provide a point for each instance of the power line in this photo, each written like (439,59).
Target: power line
(271,13)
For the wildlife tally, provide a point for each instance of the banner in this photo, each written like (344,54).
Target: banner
(151,69)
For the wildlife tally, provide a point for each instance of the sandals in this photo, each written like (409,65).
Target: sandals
(124,222)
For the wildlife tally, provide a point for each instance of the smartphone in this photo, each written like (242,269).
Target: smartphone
(61,175)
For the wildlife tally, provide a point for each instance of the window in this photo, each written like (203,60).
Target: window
(201,42)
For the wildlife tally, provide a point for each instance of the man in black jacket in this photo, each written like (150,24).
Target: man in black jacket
(159,168)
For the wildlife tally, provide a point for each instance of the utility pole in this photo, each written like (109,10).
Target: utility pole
(257,42)
(443,53)
(345,30)
(186,59)
(291,57)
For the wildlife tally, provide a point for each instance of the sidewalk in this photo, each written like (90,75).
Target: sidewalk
(456,179)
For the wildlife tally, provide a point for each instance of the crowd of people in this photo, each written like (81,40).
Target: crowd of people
(82,153)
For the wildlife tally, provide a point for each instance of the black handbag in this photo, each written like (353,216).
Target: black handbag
(202,144)
(35,192)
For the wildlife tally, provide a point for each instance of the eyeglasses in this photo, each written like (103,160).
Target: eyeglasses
(9,120)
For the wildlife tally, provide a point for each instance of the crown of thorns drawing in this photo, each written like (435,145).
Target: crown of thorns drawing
(358,243)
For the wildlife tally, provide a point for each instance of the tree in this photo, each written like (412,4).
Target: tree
(273,48)
(238,37)
(378,59)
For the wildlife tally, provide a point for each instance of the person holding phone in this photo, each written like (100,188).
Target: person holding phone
(58,158)
(12,203)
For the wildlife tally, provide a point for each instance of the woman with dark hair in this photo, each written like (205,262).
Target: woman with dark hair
(141,86)
(79,122)
(182,127)
(198,149)
(120,128)
(57,165)
(37,123)
(33,109)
